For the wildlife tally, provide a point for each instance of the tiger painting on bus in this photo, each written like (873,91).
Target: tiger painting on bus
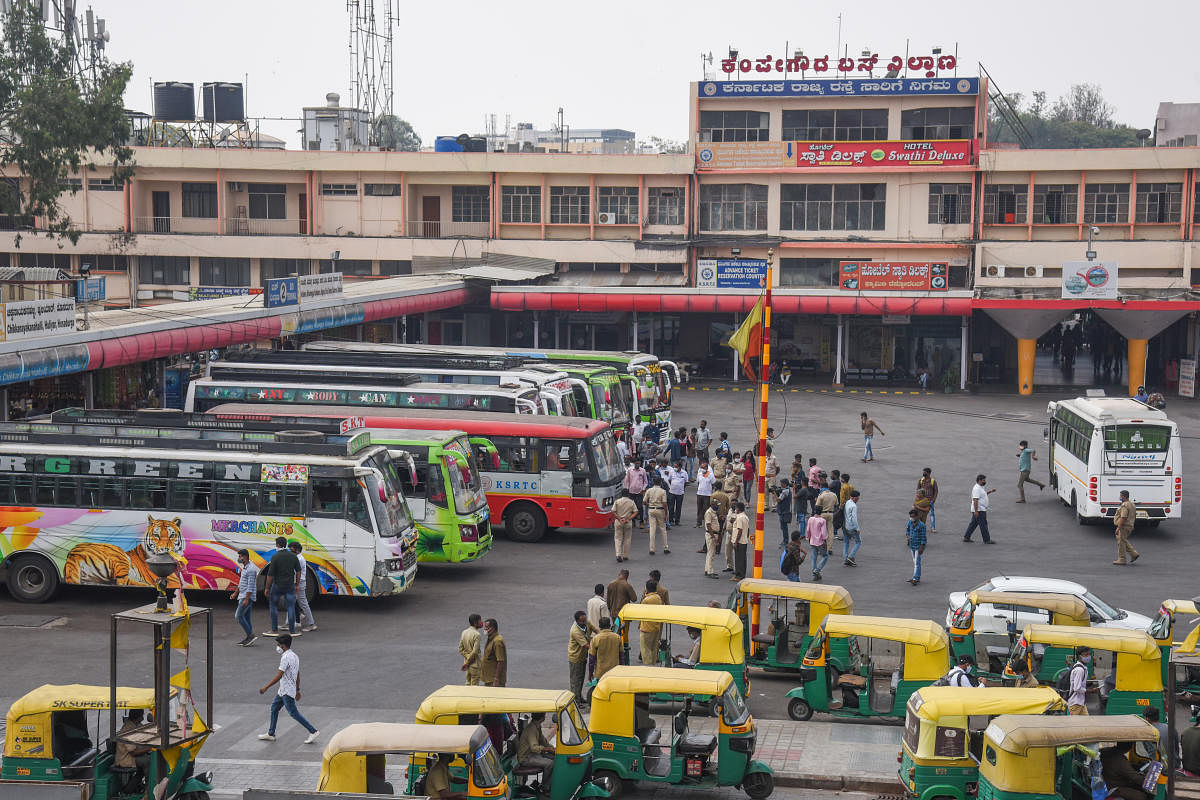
(107,564)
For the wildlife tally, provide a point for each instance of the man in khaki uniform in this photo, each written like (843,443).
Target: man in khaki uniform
(470,647)
(660,590)
(712,536)
(617,595)
(606,647)
(826,502)
(495,656)
(739,541)
(624,510)
(656,506)
(1124,519)
(732,483)
(772,473)
(577,653)
(730,519)
(651,631)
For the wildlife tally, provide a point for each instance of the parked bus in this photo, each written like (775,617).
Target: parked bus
(647,380)
(1101,445)
(89,497)
(321,388)
(555,388)
(538,472)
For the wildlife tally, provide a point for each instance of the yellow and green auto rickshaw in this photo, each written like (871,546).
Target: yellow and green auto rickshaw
(570,775)
(355,760)
(793,612)
(1166,635)
(1044,758)
(1057,609)
(631,748)
(1134,683)
(864,689)
(720,636)
(943,734)
(52,734)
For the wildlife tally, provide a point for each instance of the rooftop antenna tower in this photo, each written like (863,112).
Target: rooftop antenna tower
(371,66)
(82,33)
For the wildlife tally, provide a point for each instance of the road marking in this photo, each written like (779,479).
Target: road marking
(259,762)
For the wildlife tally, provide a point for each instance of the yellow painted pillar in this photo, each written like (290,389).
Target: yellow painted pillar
(1026,355)
(1137,364)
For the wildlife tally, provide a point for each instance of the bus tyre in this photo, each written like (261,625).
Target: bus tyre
(799,710)
(759,785)
(610,782)
(32,579)
(310,584)
(524,522)
(1079,518)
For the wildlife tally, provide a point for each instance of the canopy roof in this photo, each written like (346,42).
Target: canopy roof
(73,696)
(392,737)
(1117,640)
(836,597)
(1017,733)
(938,702)
(455,700)
(923,632)
(1066,604)
(647,680)
(695,616)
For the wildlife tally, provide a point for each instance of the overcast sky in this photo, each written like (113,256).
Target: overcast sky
(627,64)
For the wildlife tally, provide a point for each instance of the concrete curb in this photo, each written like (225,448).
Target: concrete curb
(849,783)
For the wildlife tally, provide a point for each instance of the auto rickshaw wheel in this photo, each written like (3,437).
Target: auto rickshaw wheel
(759,785)
(32,579)
(610,782)
(800,709)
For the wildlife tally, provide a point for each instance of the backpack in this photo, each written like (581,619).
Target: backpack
(787,562)
(1063,684)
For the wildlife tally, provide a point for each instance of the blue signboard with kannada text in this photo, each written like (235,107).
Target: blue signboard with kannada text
(840,87)
(731,273)
(282,292)
(89,289)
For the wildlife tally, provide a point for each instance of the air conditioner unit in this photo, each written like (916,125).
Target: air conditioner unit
(237,186)
(993,271)
(1034,271)
(607,218)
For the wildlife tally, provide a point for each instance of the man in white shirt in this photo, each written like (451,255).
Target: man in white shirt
(596,607)
(303,611)
(1077,695)
(705,480)
(677,478)
(979,509)
(288,678)
(623,449)
(960,674)
(703,440)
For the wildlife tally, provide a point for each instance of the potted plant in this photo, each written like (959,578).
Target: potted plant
(950,379)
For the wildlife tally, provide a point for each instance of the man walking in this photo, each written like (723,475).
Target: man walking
(303,612)
(634,484)
(577,653)
(650,631)
(703,440)
(712,537)
(705,481)
(979,509)
(740,540)
(247,588)
(620,591)
(656,506)
(927,491)
(783,507)
(915,533)
(869,426)
(624,511)
(1025,458)
(793,557)
(1123,521)
(1078,688)
(283,573)
(495,656)
(677,478)
(288,678)
(470,647)
(817,534)
(852,538)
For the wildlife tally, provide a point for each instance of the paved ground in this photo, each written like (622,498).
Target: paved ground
(374,659)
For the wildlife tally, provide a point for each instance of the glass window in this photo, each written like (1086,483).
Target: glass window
(569,205)
(16,490)
(237,498)
(339,189)
(556,455)
(620,201)
(1055,203)
(107,263)
(839,206)
(282,501)
(488,771)
(1137,438)
(224,271)
(356,504)
(104,185)
(733,207)
(435,485)
(381,189)
(1159,202)
(949,203)
(733,707)
(283,267)
(470,204)
(516,453)
(521,204)
(49,260)
(200,200)
(1005,203)
(608,458)
(190,496)
(814,272)
(268,200)
(395,267)
(571,725)
(103,493)
(164,270)
(326,497)
(664,205)
(734,126)
(346,266)
(1106,202)
(148,493)
(938,123)
(842,125)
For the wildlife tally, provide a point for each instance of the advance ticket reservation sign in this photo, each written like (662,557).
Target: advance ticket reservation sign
(731,273)
(894,276)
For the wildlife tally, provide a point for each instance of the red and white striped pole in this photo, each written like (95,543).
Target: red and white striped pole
(764,383)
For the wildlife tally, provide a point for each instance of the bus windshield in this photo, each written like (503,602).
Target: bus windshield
(610,400)
(608,458)
(464,481)
(1137,438)
(396,508)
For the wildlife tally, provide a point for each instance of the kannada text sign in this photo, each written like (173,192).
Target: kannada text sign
(839,87)
(894,276)
(864,155)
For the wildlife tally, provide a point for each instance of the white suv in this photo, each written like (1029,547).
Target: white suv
(994,619)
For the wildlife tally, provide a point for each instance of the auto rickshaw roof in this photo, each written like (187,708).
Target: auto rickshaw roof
(1181,606)
(939,702)
(1066,604)
(923,632)
(1118,640)
(78,696)
(646,680)
(836,597)
(454,700)
(695,616)
(392,737)
(1017,733)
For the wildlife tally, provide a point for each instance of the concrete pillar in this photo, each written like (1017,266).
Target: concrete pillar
(89,390)
(633,326)
(837,358)
(537,340)
(557,332)
(735,355)
(962,360)
(1026,356)
(4,405)
(1137,364)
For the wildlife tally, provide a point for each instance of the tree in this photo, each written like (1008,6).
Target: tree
(394,133)
(1081,118)
(1084,103)
(657,144)
(52,120)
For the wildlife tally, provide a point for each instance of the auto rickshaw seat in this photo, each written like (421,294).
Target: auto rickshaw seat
(996,651)
(853,681)
(763,638)
(697,744)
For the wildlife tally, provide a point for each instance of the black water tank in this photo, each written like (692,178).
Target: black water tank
(477,144)
(223,102)
(175,102)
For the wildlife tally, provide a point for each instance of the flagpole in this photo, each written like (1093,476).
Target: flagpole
(764,382)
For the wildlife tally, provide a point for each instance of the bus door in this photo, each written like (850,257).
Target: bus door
(1050,456)
(338,501)
(557,472)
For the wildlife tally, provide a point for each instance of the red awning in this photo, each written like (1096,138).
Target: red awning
(710,303)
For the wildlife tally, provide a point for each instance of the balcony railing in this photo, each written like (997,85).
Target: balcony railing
(174,225)
(244,226)
(428,229)
(234,226)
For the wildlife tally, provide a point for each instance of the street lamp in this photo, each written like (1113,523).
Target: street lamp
(163,566)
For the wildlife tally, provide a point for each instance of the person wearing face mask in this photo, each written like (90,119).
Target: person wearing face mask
(244,594)
(979,509)
(1077,696)
(962,674)
(288,678)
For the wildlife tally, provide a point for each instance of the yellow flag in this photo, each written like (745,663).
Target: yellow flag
(182,679)
(746,340)
(179,636)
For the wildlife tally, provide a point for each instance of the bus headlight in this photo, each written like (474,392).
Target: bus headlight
(468,533)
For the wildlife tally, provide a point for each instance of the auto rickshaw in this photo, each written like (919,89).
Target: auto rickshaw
(1164,633)
(49,737)
(795,610)
(570,777)
(1027,757)
(925,657)
(631,748)
(943,734)
(720,636)
(1059,609)
(355,760)
(1135,681)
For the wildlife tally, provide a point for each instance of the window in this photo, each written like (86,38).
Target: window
(10,202)
(282,501)
(283,267)
(268,201)
(188,496)
(104,185)
(733,207)
(1055,203)
(520,204)
(664,206)
(224,272)
(164,270)
(200,200)
(237,498)
(1106,202)
(591,266)
(1196,204)
(949,203)
(394,267)
(813,272)
(381,189)
(71,184)
(938,123)
(516,453)
(832,207)
(50,260)
(1159,202)
(339,189)
(469,204)
(842,125)
(106,263)
(620,201)
(733,126)
(103,492)
(569,205)
(326,497)
(346,266)
(1005,203)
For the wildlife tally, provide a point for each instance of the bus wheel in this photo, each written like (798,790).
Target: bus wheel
(1079,518)
(524,522)
(310,585)
(32,579)
(1154,523)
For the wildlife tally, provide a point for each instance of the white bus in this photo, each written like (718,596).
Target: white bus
(206,393)
(1101,445)
(88,497)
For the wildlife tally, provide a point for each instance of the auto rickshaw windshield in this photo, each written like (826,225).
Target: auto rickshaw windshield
(1020,652)
(570,725)
(1160,628)
(488,770)
(817,648)
(733,706)
(962,615)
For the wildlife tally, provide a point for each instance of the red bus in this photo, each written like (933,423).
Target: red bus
(539,472)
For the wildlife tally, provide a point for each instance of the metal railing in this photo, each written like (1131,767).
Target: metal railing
(244,226)
(428,229)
